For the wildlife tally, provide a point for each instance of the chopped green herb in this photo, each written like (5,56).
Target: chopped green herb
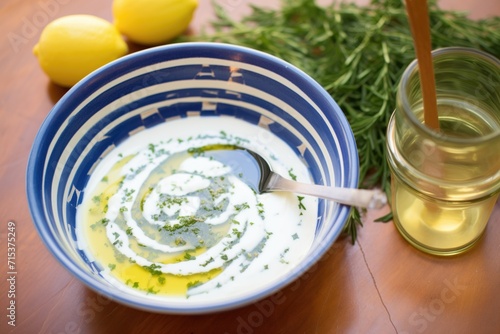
(153,269)
(179,241)
(97,199)
(193,284)
(207,262)
(236,233)
(184,221)
(128,195)
(239,207)
(118,243)
(260,209)
(104,221)
(301,205)
(152,291)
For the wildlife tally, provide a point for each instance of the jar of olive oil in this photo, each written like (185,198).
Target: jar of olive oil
(445,183)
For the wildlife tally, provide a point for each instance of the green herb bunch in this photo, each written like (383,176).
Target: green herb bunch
(358,54)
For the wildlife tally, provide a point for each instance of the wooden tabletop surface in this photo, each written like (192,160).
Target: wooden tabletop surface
(378,285)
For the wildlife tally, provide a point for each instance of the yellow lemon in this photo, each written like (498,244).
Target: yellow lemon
(72,46)
(153,22)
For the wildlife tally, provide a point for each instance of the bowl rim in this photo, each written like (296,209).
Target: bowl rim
(37,210)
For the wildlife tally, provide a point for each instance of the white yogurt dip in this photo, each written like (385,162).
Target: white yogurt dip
(161,221)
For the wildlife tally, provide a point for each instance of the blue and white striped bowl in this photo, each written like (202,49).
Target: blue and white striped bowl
(154,86)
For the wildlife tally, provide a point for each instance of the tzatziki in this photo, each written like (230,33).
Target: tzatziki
(162,221)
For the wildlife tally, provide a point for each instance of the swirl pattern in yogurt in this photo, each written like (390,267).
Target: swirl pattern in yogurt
(165,222)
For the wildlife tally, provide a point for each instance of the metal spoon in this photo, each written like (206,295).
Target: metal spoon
(257,173)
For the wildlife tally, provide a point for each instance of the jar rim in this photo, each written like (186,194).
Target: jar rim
(413,67)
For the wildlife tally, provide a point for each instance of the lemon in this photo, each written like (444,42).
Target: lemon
(153,22)
(72,46)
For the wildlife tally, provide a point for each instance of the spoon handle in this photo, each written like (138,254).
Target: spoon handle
(363,198)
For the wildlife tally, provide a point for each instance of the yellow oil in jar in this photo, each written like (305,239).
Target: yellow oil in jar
(440,227)
(430,211)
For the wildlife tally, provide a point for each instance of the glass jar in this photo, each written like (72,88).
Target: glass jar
(445,183)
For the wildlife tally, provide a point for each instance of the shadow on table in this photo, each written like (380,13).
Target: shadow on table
(55,92)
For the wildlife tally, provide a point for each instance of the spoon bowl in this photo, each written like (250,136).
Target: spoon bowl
(257,173)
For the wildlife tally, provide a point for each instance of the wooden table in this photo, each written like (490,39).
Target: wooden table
(378,285)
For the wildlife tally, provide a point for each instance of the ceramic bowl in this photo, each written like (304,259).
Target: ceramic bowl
(160,84)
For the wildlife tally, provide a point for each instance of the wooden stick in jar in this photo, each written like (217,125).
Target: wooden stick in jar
(418,15)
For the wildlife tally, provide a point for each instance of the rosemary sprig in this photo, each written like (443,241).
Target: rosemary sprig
(358,55)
